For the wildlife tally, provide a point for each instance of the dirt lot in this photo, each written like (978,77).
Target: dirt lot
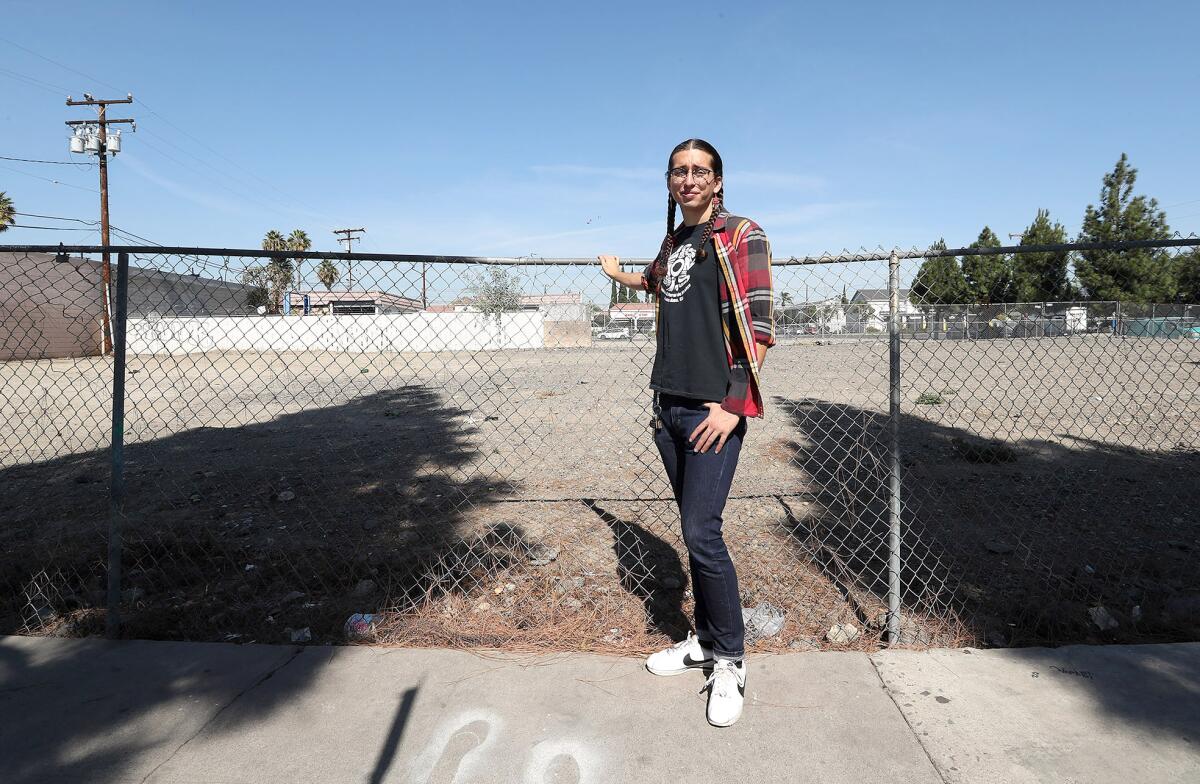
(515,498)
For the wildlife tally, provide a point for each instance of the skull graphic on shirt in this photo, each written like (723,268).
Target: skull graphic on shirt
(678,278)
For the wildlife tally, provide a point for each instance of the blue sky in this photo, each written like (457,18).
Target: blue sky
(543,128)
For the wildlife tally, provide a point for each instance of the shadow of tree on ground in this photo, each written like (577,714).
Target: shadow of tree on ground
(258,532)
(1016,543)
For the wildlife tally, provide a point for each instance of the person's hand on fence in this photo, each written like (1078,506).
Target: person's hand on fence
(611,265)
(716,428)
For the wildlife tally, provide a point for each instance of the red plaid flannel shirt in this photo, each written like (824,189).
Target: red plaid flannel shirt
(747,305)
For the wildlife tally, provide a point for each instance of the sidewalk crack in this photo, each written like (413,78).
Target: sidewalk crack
(266,677)
(907,723)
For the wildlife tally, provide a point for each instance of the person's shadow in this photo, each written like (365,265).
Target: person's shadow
(650,569)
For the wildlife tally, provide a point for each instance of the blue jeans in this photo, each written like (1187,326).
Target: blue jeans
(701,484)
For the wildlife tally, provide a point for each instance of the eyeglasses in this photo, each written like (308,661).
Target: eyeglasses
(699,174)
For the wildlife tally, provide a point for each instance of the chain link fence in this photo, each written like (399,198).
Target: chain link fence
(462,449)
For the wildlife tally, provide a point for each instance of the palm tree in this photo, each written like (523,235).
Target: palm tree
(298,241)
(274,241)
(278,270)
(8,213)
(785,304)
(328,274)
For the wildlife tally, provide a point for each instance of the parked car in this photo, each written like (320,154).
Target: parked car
(615,333)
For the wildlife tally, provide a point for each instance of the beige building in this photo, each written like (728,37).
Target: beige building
(49,308)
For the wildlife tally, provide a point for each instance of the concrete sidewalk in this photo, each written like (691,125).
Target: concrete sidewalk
(161,712)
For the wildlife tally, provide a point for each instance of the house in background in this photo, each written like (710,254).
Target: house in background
(636,316)
(351,303)
(870,309)
(566,318)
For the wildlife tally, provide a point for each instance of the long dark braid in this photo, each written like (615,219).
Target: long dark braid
(708,227)
(658,269)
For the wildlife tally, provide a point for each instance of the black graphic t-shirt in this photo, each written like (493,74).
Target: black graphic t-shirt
(690,358)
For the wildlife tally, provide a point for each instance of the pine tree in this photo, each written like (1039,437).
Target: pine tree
(1140,275)
(939,281)
(1187,272)
(989,278)
(1042,276)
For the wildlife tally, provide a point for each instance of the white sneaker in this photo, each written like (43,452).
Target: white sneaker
(727,687)
(685,655)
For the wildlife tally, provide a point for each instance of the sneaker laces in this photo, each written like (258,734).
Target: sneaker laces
(684,643)
(723,679)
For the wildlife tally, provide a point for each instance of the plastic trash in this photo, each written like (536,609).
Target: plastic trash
(360,625)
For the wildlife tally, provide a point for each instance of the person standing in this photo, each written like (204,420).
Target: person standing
(714,319)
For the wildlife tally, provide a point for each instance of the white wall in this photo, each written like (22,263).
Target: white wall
(403,332)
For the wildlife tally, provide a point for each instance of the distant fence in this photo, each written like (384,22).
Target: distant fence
(999,475)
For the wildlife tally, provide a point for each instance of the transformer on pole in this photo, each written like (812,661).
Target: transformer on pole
(92,137)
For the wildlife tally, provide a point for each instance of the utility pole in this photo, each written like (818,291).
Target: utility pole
(347,236)
(92,136)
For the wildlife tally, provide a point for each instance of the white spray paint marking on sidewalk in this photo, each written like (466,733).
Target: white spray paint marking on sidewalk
(468,747)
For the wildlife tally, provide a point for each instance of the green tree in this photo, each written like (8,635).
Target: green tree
(298,241)
(495,291)
(256,279)
(1042,276)
(989,278)
(327,273)
(276,276)
(939,281)
(1187,277)
(861,317)
(8,213)
(786,312)
(1139,275)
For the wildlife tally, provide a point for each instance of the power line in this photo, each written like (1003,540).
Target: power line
(50,88)
(237,167)
(248,196)
(47,179)
(48,228)
(56,217)
(227,160)
(60,65)
(56,163)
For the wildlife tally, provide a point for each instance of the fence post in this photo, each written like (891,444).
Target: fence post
(893,621)
(116,498)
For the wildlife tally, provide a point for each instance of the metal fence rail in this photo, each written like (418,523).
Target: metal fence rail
(461,447)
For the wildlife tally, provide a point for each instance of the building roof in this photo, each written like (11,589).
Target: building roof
(570,298)
(319,298)
(875,295)
(631,307)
